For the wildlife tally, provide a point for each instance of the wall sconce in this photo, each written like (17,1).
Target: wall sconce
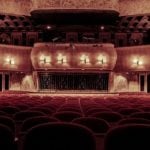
(84,59)
(137,62)
(10,61)
(45,59)
(61,59)
(101,59)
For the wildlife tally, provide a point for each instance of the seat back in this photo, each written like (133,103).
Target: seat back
(31,122)
(128,111)
(133,121)
(8,122)
(59,136)
(98,126)
(67,116)
(128,137)
(22,115)
(10,109)
(108,116)
(143,115)
(6,138)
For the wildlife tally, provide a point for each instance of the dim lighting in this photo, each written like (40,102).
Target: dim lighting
(84,59)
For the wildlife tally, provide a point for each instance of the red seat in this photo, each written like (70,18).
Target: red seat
(59,136)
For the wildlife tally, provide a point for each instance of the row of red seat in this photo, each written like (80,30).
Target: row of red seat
(100,114)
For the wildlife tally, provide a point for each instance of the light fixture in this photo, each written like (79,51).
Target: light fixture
(10,61)
(137,62)
(61,59)
(84,59)
(101,59)
(45,59)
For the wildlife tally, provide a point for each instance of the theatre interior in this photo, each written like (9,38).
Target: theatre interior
(74,74)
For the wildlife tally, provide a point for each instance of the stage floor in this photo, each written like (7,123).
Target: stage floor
(76,93)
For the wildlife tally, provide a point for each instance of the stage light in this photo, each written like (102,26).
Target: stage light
(84,59)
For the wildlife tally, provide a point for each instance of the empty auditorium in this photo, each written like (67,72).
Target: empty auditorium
(74,74)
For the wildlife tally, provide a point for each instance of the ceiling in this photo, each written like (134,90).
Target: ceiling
(74,16)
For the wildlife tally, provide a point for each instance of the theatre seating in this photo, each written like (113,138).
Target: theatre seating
(128,111)
(133,121)
(145,108)
(98,126)
(111,117)
(9,122)
(73,109)
(10,109)
(6,138)
(22,115)
(59,136)
(144,115)
(31,122)
(96,110)
(67,116)
(128,137)
(43,109)
(97,113)
(3,113)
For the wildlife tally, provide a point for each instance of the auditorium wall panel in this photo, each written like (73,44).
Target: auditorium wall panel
(133,83)
(120,82)
(23,82)
(126,82)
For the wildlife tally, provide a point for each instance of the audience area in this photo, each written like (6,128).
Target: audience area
(74,122)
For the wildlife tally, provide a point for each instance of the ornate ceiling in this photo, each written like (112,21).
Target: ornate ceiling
(98,4)
(125,7)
